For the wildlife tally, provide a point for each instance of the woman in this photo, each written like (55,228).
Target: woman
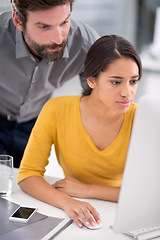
(90,133)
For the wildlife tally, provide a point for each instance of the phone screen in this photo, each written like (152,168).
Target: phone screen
(23,212)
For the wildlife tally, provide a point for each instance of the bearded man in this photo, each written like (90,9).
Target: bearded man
(40,49)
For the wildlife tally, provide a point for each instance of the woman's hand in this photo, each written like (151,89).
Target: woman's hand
(72,187)
(75,208)
(37,187)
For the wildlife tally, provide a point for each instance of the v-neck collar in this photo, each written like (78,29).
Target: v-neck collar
(88,137)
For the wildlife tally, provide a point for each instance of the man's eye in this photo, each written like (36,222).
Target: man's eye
(44,27)
(65,22)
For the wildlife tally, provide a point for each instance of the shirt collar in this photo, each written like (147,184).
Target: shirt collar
(22,50)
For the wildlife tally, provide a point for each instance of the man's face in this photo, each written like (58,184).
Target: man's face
(50,52)
(46,32)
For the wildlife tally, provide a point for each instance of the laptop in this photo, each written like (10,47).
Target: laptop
(138,208)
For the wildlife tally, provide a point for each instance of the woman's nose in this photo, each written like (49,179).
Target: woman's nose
(126,91)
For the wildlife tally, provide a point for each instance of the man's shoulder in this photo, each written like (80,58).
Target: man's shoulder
(5,20)
(83,32)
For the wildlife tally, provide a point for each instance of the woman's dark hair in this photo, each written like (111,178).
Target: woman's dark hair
(106,50)
(20,7)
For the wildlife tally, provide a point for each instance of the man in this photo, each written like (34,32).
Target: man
(40,49)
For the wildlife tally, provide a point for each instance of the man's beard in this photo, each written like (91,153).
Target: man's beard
(41,50)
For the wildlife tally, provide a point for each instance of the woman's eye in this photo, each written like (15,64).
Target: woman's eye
(115,82)
(133,82)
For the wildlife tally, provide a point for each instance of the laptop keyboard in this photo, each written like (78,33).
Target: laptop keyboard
(146,233)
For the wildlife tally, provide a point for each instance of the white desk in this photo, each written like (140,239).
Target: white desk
(106,210)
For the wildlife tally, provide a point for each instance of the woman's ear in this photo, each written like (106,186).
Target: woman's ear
(17,21)
(91,82)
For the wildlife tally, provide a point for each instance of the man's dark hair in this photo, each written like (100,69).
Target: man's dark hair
(20,7)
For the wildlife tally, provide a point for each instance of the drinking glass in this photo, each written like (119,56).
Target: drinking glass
(6,175)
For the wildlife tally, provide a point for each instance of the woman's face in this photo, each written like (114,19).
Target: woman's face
(116,87)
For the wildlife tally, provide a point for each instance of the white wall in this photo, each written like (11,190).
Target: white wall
(5,5)
(109,16)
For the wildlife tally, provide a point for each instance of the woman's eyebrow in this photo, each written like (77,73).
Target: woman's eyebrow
(117,77)
(137,76)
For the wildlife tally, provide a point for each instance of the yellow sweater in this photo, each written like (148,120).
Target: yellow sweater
(60,123)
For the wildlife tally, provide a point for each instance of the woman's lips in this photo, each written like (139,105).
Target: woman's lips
(124,103)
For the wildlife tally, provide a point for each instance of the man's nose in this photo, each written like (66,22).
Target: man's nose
(56,36)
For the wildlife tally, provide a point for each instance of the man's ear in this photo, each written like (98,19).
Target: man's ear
(17,21)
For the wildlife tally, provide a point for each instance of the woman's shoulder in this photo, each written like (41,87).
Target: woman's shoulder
(59,107)
(62,102)
(63,99)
